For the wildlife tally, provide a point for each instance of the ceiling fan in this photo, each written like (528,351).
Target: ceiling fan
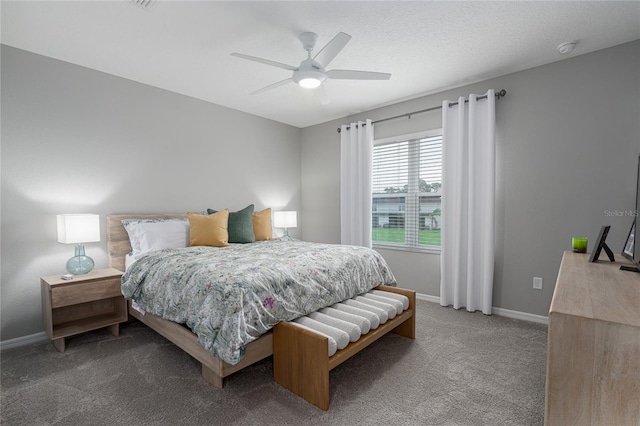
(311,72)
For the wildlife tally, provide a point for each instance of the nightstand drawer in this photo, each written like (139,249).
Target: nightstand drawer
(64,295)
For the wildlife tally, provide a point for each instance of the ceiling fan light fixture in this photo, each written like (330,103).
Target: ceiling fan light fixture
(309,83)
(309,79)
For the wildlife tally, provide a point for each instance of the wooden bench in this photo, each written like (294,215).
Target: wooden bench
(300,356)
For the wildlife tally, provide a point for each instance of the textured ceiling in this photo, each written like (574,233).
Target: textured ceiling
(427,46)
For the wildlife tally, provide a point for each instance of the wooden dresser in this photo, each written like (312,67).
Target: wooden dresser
(593,352)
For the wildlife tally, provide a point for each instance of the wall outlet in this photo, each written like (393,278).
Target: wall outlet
(537,283)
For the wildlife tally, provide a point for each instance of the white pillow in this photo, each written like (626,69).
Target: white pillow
(146,235)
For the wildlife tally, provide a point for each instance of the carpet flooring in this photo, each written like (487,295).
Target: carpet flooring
(462,369)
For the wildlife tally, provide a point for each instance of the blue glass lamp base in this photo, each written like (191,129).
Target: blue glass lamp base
(80,264)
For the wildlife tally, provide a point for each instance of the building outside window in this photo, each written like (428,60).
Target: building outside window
(407,181)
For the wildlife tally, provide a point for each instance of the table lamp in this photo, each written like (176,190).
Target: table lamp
(78,229)
(285,219)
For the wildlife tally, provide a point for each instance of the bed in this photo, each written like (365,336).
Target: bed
(258,345)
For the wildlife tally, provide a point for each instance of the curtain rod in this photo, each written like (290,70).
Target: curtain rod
(409,114)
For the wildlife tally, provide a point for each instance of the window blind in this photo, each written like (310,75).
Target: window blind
(407,178)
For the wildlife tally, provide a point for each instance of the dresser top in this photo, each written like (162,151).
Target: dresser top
(598,290)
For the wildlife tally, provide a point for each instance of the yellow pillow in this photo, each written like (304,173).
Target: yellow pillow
(262,225)
(209,230)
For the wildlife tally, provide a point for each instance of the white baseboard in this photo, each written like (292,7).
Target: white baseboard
(432,299)
(520,315)
(525,316)
(24,340)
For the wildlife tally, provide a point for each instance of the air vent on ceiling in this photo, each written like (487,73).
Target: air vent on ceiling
(143,4)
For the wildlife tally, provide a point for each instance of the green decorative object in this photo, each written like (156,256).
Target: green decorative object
(579,244)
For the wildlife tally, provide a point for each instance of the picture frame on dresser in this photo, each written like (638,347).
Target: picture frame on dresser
(602,245)
(628,249)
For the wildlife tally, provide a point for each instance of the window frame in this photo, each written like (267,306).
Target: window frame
(415,220)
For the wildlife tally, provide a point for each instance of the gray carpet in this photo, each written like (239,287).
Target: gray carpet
(462,369)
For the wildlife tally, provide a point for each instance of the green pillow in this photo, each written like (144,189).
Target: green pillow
(240,226)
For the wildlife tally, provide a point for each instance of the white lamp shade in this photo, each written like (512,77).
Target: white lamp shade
(286,219)
(78,228)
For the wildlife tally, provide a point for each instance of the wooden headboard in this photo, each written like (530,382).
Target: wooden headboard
(118,240)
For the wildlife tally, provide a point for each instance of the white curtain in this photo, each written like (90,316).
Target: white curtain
(468,203)
(356,158)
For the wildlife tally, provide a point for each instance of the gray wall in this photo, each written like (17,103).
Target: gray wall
(568,142)
(76,140)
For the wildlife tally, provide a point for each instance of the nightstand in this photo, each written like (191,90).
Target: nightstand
(84,303)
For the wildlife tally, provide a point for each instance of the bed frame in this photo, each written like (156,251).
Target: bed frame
(214,370)
(291,361)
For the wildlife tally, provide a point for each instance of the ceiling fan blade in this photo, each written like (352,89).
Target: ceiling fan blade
(272,86)
(357,75)
(321,94)
(265,61)
(331,49)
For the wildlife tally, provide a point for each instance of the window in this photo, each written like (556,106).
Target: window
(407,178)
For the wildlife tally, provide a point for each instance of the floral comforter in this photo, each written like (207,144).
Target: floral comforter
(230,296)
